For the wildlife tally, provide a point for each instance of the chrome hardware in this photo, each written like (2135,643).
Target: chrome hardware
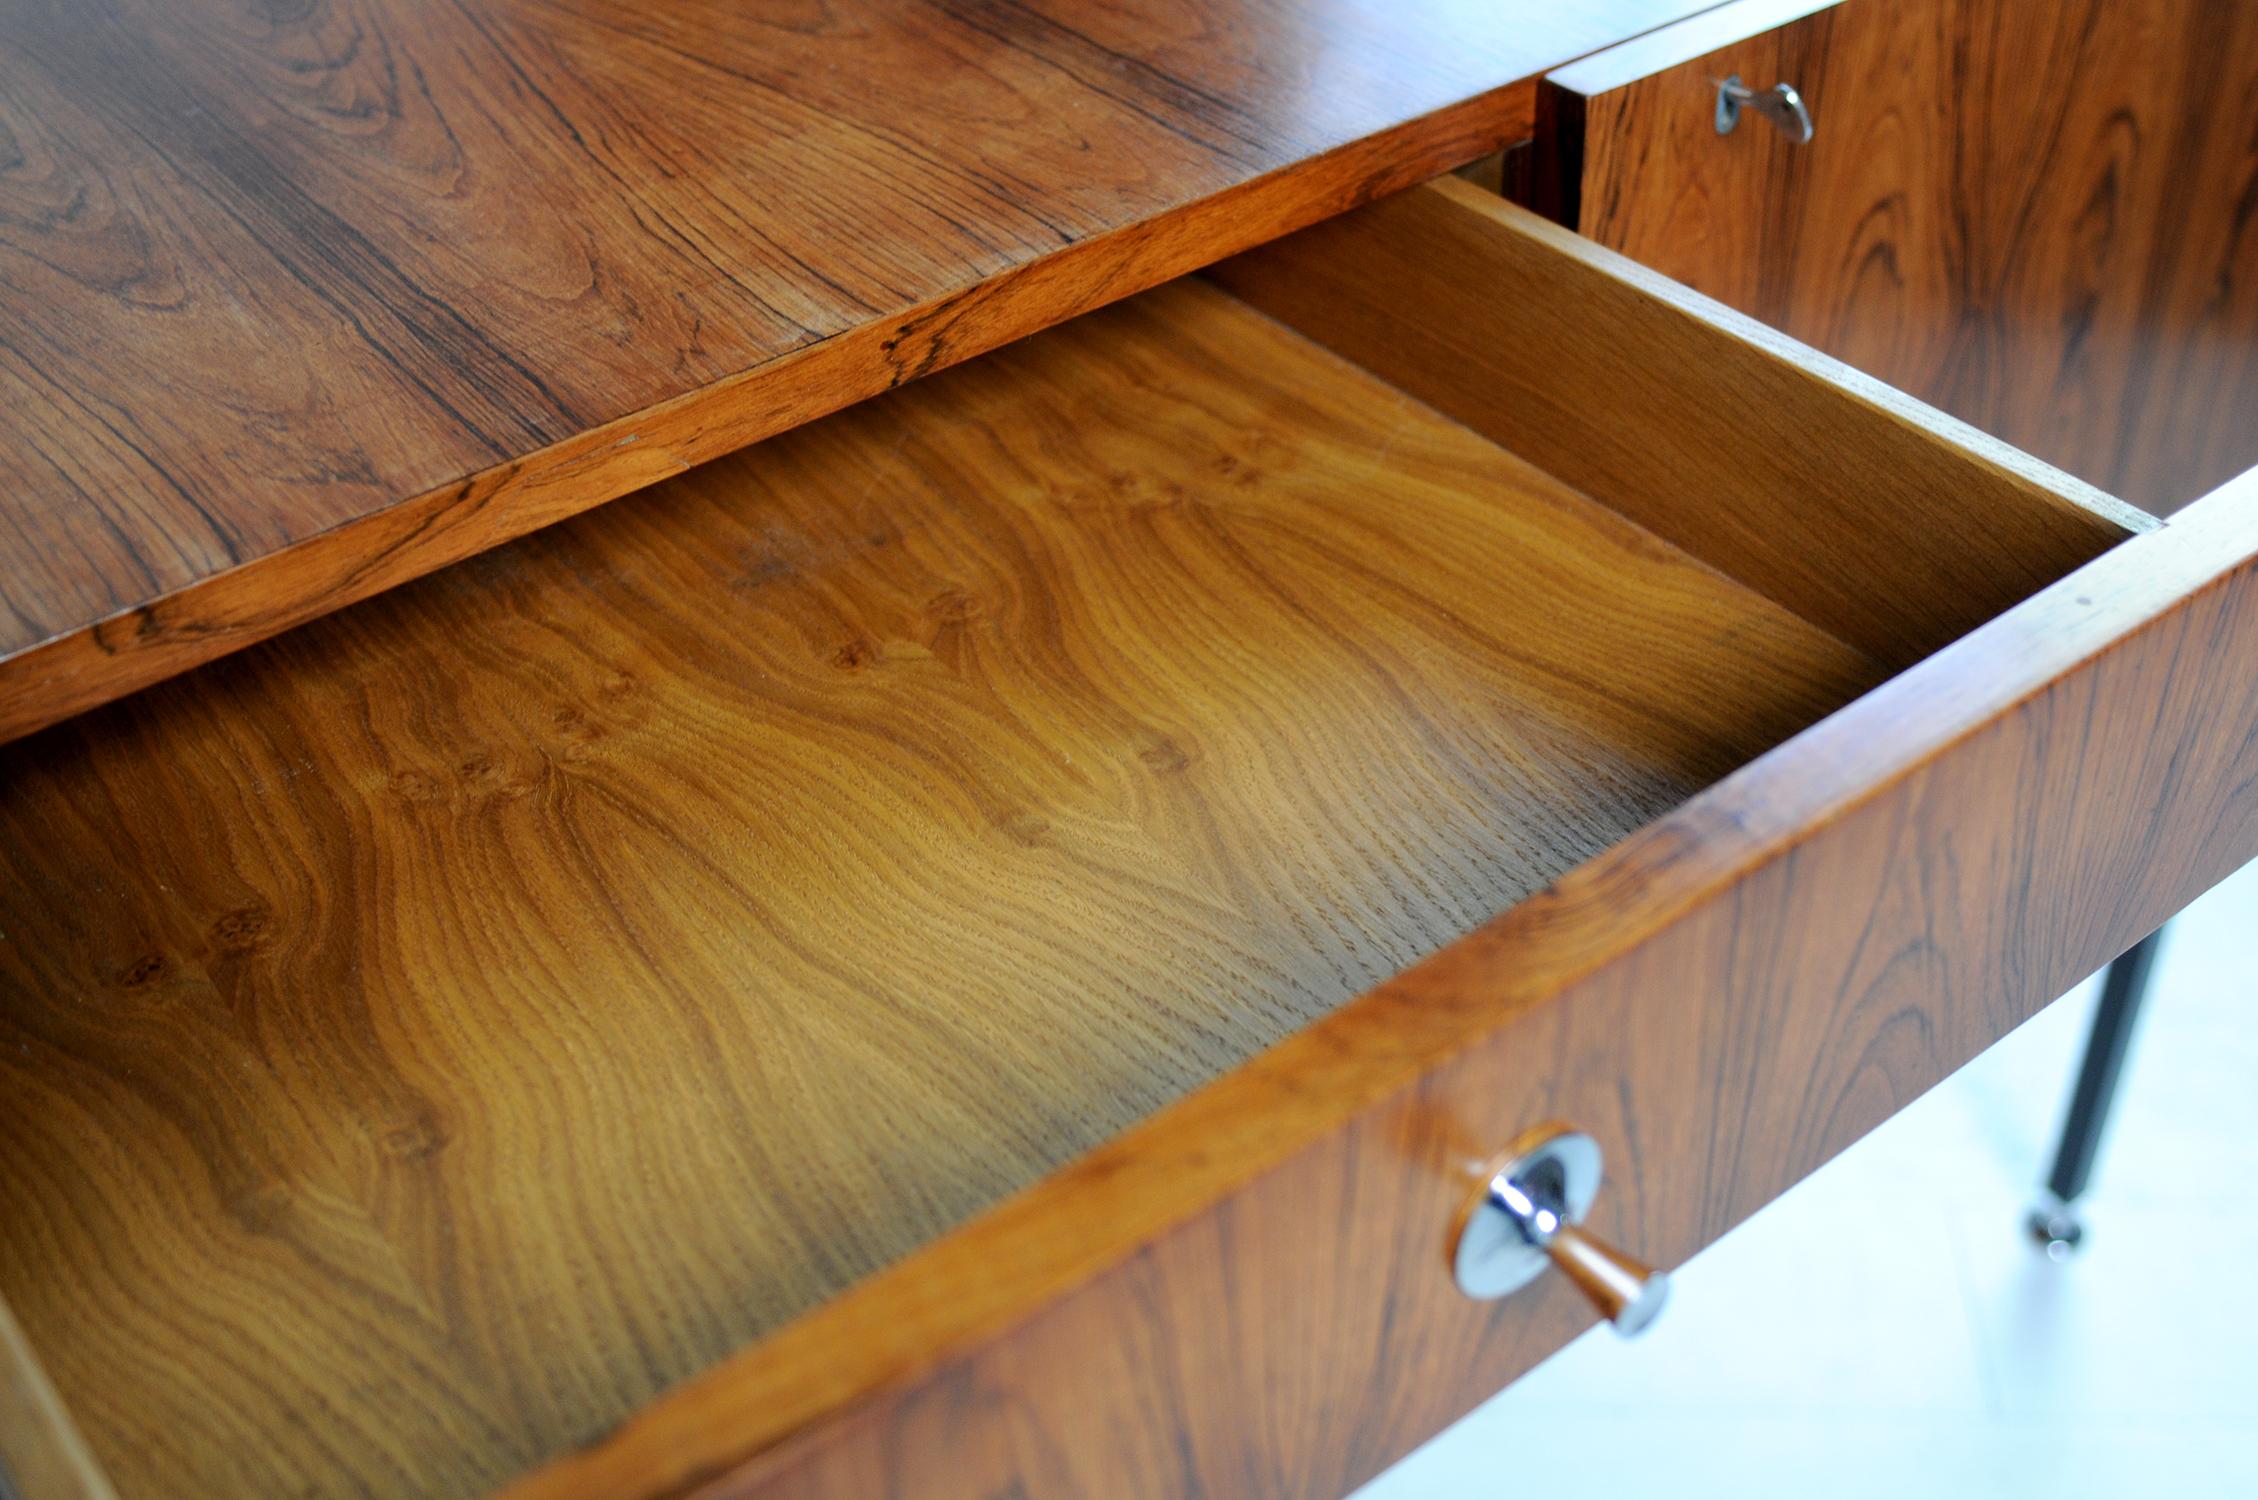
(1780,104)
(2055,1227)
(1529,1216)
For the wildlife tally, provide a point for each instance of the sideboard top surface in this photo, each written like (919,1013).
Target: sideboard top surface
(297,302)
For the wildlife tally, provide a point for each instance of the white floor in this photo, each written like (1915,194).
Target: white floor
(1885,1330)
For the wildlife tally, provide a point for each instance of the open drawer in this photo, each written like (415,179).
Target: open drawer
(980,947)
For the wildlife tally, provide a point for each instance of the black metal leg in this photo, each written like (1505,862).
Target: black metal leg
(2124,985)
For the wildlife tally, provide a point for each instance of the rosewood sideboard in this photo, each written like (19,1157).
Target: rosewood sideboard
(828,749)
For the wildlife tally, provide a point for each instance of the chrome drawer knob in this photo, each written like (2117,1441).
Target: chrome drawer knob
(1780,104)
(1529,1215)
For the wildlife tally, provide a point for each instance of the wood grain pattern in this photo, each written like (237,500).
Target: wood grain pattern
(299,302)
(1225,1301)
(1874,517)
(434,1033)
(42,1455)
(2035,216)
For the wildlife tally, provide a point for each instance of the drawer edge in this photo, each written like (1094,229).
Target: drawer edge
(1681,41)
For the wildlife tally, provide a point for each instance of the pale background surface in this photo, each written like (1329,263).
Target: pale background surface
(1884,1330)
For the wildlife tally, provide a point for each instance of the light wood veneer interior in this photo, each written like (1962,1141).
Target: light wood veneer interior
(427,1036)
(1885,521)
(436,1032)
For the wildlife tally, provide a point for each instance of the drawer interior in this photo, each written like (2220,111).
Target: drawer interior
(426,1037)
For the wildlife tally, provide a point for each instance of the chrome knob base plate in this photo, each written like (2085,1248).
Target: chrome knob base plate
(1506,1241)
(1529,1215)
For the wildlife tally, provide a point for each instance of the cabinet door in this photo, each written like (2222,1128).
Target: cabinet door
(2030,214)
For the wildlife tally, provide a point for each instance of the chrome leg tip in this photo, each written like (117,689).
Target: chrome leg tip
(2056,1229)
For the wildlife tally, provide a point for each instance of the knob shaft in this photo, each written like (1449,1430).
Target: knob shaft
(1529,1214)
(1628,1293)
